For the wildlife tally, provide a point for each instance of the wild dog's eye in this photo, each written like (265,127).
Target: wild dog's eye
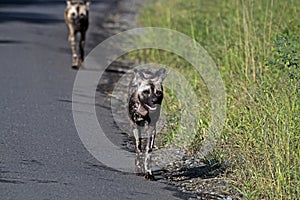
(146,92)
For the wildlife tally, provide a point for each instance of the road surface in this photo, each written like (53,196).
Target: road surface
(41,155)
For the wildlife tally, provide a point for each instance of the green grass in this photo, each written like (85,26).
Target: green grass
(256,46)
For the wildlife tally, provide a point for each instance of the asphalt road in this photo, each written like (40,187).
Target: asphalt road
(41,155)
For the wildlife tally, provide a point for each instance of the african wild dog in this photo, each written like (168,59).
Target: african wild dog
(77,19)
(145,98)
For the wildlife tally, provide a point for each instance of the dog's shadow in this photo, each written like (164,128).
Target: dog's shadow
(184,173)
(203,172)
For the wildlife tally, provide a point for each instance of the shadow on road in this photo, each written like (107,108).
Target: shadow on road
(32,16)
(27,17)
(28,2)
(10,41)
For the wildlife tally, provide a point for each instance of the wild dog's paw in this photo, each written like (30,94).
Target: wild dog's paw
(74,66)
(76,62)
(149,177)
(139,171)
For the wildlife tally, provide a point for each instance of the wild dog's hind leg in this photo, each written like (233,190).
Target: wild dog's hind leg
(150,141)
(139,167)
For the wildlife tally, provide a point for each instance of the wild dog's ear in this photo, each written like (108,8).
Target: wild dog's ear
(161,75)
(68,3)
(138,77)
(88,3)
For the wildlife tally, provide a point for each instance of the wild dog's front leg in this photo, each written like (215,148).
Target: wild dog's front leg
(138,139)
(151,131)
(81,45)
(72,40)
(139,167)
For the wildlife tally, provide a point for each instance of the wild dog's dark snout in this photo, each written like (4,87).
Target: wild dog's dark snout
(154,100)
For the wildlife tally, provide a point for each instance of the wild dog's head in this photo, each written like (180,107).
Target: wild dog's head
(149,89)
(77,10)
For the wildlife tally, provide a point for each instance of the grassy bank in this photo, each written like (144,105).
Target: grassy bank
(256,46)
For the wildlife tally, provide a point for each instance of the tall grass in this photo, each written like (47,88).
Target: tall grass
(256,46)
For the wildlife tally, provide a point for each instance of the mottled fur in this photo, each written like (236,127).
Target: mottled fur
(77,20)
(146,95)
